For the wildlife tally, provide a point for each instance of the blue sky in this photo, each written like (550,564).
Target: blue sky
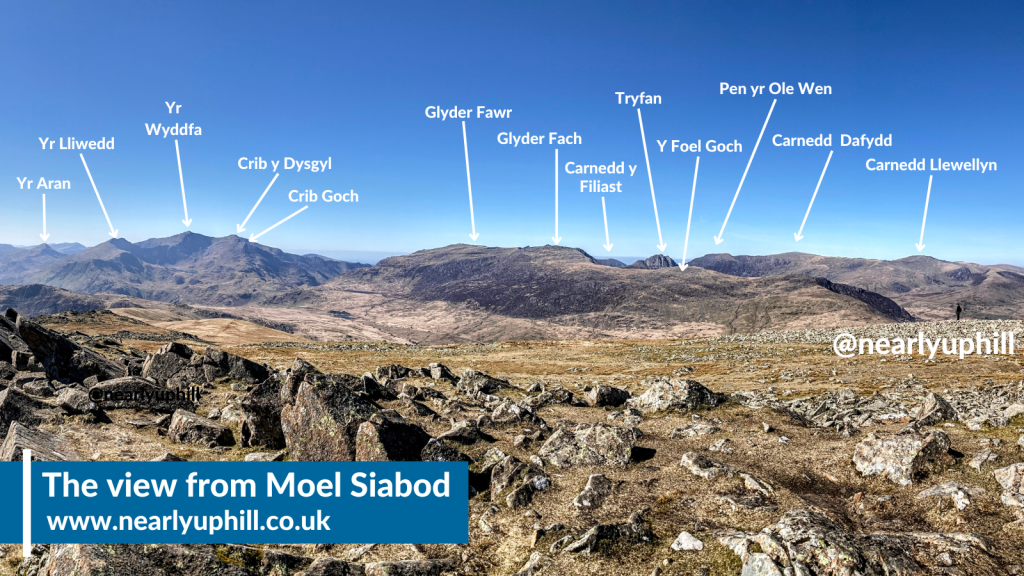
(312,80)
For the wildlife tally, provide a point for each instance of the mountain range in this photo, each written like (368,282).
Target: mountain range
(474,293)
(928,288)
(187,268)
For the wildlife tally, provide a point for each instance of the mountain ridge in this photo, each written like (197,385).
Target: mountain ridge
(187,267)
(467,292)
(473,293)
(927,287)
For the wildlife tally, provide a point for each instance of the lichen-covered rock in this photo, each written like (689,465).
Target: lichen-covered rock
(392,372)
(508,412)
(169,362)
(387,437)
(16,406)
(699,429)
(45,446)
(813,542)
(75,401)
(438,450)
(7,371)
(902,458)
(266,456)
(700,465)
(170,559)
(556,396)
(11,343)
(333,567)
(473,381)
(261,415)
(295,375)
(368,386)
(39,388)
(64,359)
(606,396)
(219,364)
(409,567)
(958,493)
(486,463)
(761,564)
(20,379)
(190,428)
(465,432)
(439,371)
(589,445)
(512,473)
(598,488)
(1011,478)
(935,409)
(680,395)
(635,530)
(534,565)
(686,541)
(322,422)
(419,409)
(981,458)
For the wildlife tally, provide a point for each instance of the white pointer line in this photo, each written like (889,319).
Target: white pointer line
(241,227)
(187,221)
(607,240)
(26,503)
(112,231)
(689,217)
(799,235)
(44,235)
(920,243)
(718,239)
(556,238)
(469,183)
(650,178)
(253,237)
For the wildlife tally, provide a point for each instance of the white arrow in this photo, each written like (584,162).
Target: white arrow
(241,227)
(607,241)
(253,237)
(44,235)
(686,243)
(469,183)
(661,243)
(718,239)
(187,221)
(800,235)
(556,238)
(112,232)
(920,243)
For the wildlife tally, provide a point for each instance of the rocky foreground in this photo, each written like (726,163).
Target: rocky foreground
(805,471)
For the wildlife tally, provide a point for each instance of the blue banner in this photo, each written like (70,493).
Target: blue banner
(10,487)
(242,502)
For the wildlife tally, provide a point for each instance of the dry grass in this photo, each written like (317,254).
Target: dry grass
(814,468)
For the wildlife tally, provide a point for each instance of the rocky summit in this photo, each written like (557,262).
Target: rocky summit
(756,454)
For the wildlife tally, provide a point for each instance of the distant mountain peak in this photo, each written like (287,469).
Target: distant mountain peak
(656,262)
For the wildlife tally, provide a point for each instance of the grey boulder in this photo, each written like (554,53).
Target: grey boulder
(589,445)
(902,458)
(191,428)
(678,395)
